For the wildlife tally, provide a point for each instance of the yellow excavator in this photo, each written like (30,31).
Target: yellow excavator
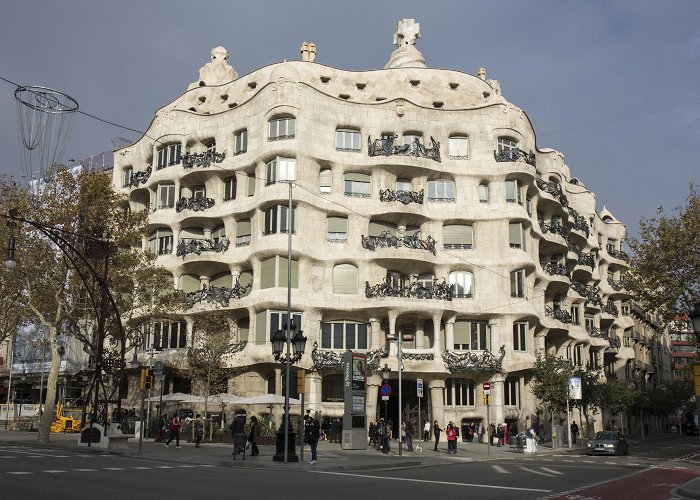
(67,419)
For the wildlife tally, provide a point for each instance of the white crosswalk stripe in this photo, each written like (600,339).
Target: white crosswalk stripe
(555,472)
(535,471)
(500,470)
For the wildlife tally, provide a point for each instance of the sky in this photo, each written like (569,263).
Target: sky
(613,85)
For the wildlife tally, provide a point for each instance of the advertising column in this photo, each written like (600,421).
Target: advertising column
(355,396)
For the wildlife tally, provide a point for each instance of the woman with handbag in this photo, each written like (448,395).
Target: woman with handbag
(253,434)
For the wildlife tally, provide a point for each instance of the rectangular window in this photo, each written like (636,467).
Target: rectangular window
(240,142)
(511,388)
(578,355)
(471,335)
(198,192)
(325,181)
(167,335)
(166,196)
(462,283)
(128,175)
(230,188)
(357,185)
(458,148)
(441,190)
(483,193)
(517,284)
(169,155)
(268,322)
(479,336)
(276,220)
(575,318)
(593,359)
(459,392)
(506,144)
(347,140)
(514,192)
(280,170)
(611,245)
(251,184)
(457,237)
(344,335)
(516,235)
(281,128)
(243,233)
(337,229)
(520,329)
(589,322)
(273,272)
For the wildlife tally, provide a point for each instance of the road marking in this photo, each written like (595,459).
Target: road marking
(611,463)
(187,466)
(114,468)
(85,470)
(446,483)
(588,462)
(53,471)
(556,472)
(533,471)
(20,473)
(499,469)
(140,468)
(632,464)
(165,467)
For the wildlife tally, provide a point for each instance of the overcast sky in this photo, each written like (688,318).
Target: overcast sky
(567,64)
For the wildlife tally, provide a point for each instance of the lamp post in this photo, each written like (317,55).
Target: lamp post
(695,320)
(9,384)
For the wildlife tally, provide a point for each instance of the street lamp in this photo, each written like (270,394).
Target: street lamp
(386,371)
(296,342)
(10,261)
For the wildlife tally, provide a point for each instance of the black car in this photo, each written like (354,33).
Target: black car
(607,443)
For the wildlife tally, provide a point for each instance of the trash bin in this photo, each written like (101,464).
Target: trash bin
(518,442)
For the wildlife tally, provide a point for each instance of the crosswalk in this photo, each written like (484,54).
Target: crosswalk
(8,452)
(98,469)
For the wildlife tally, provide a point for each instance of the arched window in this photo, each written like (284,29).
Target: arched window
(345,279)
(483,193)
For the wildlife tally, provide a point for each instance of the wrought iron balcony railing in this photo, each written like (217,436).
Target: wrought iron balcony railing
(617,285)
(385,146)
(614,342)
(555,269)
(552,227)
(513,155)
(595,332)
(554,189)
(386,240)
(589,293)
(219,295)
(618,254)
(401,195)
(580,222)
(185,247)
(325,360)
(558,314)
(439,290)
(471,362)
(140,177)
(243,240)
(610,308)
(197,204)
(204,159)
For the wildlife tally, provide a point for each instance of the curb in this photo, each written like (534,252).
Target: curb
(304,467)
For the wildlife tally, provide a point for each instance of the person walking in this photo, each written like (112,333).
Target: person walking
(451,433)
(409,435)
(436,432)
(372,433)
(426,431)
(574,432)
(198,430)
(238,434)
(312,433)
(253,434)
(162,428)
(499,436)
(492,433)
(382,433)
(174,432)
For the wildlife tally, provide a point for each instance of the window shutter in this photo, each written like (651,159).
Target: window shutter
(267,272)
(261,336)
(221,279)
(457,234)
(192,233)
(251,185)
(345,279)
(461,332)
(458,146)
(515,233)
(376,228)
(243,227)
(189,283)
(357,177)
(337,225)
(325,178)
(510,190)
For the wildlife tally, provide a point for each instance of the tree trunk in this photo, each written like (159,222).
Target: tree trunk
(46,418)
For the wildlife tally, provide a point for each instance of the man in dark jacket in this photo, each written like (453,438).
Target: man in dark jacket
(436,431)
(312,433)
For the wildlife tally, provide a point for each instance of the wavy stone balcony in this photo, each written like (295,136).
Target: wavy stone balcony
(552,227)
(197,204)
(204,159)
(618,254)
(618,285)
(514,155)
(140,177)
(611,309)
(186,247)
(553,189)
(440,289)
(388,240)
(219,295)
(401,196)
(580,222)
(471,362)
(385,147)
(587,292)
(584,259)
(555,269)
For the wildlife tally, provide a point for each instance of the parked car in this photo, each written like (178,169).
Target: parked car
(607,443)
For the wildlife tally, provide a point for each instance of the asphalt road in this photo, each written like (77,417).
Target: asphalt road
(29,472)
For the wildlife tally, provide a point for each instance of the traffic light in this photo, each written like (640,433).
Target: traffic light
(487,400)
(144,374)
(301,379)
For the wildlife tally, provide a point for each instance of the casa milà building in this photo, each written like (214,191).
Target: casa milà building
(424,211)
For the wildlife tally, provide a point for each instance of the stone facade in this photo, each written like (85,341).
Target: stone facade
(425,214)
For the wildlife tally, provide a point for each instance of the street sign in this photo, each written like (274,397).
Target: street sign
(385,390)
(487,391)
(487,386)
(385,398)
(575,388)
(420,387)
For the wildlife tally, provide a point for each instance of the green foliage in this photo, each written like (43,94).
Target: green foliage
(549,381)
(666,264)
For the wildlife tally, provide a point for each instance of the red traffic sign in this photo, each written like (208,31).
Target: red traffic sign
(385,389)
(487,386)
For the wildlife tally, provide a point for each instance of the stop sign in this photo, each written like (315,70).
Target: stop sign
(487,386)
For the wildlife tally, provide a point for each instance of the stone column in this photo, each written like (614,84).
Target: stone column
(373,383)
(176,240)
(176,281)
(497,405)
(204,281)
(436,401)
(278,382)
(437,337)
(450,333)
(313,395)
(392,333)
(420,335)
(375,334)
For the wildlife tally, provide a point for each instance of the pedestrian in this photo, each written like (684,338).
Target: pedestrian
(372,433)
(436,432)
(499,435)
(492,433)
(198,430)
(383,436)
(426,431)
(389,429)
(470,433)
(333,430)
(162,428)
(238,434)
(174,432)
(451,433)
(312,434)
(574,432)
(253,434)
(409,435)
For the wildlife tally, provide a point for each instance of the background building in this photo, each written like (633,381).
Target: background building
(423,210)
